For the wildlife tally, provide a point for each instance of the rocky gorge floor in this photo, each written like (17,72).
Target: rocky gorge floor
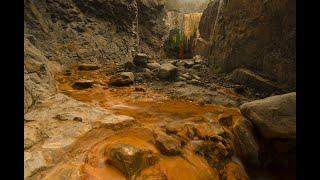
(145,120)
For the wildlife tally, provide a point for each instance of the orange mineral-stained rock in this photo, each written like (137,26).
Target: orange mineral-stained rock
(233,171)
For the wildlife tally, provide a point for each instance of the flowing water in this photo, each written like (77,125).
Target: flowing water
(151,110)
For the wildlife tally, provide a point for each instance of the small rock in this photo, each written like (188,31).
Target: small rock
(122,79)
(168,71)
(141,60)
(194,81)
(87,67)
(83,84)
(148,71)
(167,144)
(186,76)
(196,77)
(153,66)
(225,119)
(129,159)
(180,78)
(188,64)
(140,89)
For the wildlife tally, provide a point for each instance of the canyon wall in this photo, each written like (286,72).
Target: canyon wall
(60,33)
(254,34)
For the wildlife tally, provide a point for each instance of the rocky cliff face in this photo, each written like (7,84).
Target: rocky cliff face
(82,31)
(152,29)
(38,78)
(259,35)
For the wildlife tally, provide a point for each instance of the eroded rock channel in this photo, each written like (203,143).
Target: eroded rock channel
(103,100)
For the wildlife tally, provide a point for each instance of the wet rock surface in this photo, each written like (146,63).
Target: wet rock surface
(130,159)
(168,145)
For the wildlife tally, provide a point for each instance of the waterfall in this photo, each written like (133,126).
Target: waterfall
(217,17)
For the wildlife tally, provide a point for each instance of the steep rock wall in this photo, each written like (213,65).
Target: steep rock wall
(151,27)
(255,34)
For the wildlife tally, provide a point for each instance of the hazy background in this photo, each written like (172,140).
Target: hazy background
(187,6)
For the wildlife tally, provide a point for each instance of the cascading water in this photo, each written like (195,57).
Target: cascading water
(217,16)
(180,41)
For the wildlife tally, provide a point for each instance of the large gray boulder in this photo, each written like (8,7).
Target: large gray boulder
(274,117)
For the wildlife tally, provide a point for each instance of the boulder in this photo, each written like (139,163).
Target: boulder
(129,159)
(141,60)
(166,144)
(250,79)
(168,71)
(274,117)
(88,67)
(247,144)
(153,66)
(83,84)
(122,79)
